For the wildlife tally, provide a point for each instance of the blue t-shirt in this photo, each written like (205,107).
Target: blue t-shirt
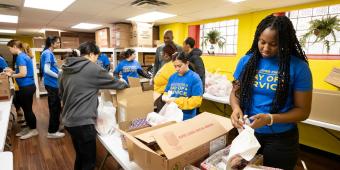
(265,85)
(103,61)
(24,60)
(3,64)
(47,57)
(128,69)
(188,85)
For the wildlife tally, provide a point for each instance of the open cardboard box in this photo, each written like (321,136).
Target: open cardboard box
(181,143)
(334,77)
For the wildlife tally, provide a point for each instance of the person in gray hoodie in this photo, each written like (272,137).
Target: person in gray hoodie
(79,83)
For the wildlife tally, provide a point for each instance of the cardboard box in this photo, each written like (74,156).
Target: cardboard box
(141,35)
(180,144)
(120,43)
(334,77)
(133,103)
(121,27)
(149,59)
(325,106)
(103,38)
(51,33)
(84,37)
(5,92)
(69,42)
(68,34)
(39,42)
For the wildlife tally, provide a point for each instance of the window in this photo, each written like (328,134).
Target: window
(301,19)
(228,30)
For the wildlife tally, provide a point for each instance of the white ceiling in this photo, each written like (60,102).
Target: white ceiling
(110,11)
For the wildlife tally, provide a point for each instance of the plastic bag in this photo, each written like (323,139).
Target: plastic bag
(169,112)
(106,120)
(217,85)
(244,145)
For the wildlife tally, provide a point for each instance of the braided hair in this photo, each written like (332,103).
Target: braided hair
(288,45)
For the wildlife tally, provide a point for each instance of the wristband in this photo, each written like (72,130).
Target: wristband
(271,120)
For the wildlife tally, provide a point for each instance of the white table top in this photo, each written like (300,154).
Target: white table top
(223,100)
(113,145)
(322,124)
(6,160)
(5,109)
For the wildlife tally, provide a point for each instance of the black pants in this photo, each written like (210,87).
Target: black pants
(25,99)
(16,100)
(280,150)
(84,143)
(54,107)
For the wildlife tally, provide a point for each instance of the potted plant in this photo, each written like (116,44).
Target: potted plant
(214,37)
(322,28)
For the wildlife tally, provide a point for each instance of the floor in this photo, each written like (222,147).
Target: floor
(40,153)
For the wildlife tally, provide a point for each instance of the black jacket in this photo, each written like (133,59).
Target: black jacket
(196,64)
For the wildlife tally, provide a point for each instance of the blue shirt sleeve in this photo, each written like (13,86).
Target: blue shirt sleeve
(241,64)
(197,87)
(20,61)
(3,63)
(106,60)
(303,77)
(118,68)
(49,58)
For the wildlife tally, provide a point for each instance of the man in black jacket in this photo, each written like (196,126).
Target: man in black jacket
(196,63)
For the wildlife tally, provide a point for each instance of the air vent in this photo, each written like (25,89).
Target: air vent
(149,2)
(9,7)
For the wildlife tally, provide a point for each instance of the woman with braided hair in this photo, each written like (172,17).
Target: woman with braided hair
(273,86)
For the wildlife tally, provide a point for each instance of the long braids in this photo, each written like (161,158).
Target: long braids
(288,45)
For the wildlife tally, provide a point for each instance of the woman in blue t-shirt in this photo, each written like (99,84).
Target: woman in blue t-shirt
(186,87)
(129,67)
(273,86)
(23,75)
(50,70)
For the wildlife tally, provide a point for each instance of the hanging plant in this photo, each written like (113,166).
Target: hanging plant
(322,28)
(214,37)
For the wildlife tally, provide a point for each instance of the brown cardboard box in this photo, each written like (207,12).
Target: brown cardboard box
(39,42)
(121,27)
(325,106)
(103,38)
(149,59)
(133,103)
(334,77)
(68,34)
(181,143)
(5,93)
(83,37)
(141,35)
(120,43)
(51,33)
(69,42)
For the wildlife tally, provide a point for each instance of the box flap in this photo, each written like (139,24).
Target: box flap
(136,141)
(129,93)
(224,121)
(147,135)
(134,82)
(182,137)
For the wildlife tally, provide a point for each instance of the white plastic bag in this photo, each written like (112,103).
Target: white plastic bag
(244,145)
(106,120)
(169,112)
(217,85)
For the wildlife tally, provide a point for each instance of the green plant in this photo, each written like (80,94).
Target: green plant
(322,28)
(214,37)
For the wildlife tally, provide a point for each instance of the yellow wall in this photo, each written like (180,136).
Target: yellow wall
(247,27)
(309,135)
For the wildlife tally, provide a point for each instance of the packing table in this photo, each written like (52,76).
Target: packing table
(114,147)
(6,160)
(214,99)
(5,112)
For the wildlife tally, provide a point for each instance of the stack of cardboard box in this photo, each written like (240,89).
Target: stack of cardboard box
(69,40)
(141,35)
(121,33)
(102,38)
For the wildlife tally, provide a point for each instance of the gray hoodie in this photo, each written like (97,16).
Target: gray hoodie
(79,84)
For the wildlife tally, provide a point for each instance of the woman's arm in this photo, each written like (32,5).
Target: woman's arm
(48,71)
(300,111)
(22,72)
(235,105)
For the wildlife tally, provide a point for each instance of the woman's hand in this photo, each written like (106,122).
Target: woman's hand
(260,120)
(8,71)
(236,115)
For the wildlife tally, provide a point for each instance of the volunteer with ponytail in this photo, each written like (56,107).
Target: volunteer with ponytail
(185,86)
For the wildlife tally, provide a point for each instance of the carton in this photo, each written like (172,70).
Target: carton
(51,33)
(334,77)
(141,35)
(325,106)
(133,103)
(69,42)
(103,37)
(179,144)
(5,93)
(39,42)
